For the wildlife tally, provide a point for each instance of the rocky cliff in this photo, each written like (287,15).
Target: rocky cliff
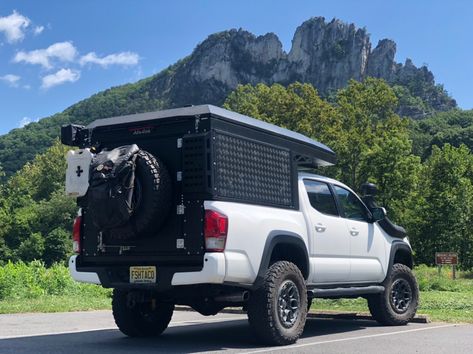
(325,54)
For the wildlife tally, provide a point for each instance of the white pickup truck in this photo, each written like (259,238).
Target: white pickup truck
(208,208)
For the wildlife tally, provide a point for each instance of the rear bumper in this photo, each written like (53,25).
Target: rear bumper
(83,277)
(212,272)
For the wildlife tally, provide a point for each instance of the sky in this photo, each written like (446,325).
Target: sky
(54,53)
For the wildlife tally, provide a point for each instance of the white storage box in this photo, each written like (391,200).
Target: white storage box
(77,173)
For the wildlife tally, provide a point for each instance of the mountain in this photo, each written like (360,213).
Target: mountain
(325,54)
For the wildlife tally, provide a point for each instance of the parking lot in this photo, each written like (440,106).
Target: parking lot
(189,332)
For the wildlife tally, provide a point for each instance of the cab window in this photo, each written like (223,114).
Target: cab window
(351,206)
(321,197)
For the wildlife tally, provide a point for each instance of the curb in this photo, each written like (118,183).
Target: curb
(321,314)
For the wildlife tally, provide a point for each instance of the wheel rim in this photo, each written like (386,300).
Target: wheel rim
(288,303)
(401,295)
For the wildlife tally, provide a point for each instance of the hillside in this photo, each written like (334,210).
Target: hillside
(325,54)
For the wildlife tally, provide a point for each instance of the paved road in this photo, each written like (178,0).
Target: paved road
(95,332)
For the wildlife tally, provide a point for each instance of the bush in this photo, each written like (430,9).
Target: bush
(430,280)
(32,280)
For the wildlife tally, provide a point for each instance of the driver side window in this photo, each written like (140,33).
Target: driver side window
(351,206)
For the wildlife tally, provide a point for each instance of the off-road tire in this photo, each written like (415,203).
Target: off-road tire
(141,320)
(263,305)
(154,196)
(382,306)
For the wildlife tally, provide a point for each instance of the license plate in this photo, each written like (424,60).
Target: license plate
(142,275)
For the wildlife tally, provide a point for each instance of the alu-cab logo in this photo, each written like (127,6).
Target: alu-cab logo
(140,130)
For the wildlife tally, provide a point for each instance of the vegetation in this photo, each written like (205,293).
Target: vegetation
(35,215)
(34,287)
(454,127)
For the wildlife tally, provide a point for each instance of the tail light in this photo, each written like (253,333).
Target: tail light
(76,228)
(215,231)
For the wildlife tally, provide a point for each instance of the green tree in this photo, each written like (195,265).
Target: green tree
(371,141)
(31,248)
(297,107)
(364,107)
(444,207)
(57,246)
(373,144)
(33,205)
(392,166)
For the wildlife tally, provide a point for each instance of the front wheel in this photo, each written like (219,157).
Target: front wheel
(397,305)
(277,310)
(147,319)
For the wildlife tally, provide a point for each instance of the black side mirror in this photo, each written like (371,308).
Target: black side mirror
(369,189)
(378,213)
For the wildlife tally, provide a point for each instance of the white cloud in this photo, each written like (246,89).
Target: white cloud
(123,58)
(62,51)
(14,26)
(11,79)
(38,30)
(24,121)
(60,77)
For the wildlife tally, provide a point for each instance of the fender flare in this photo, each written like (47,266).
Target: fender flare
(276,238)
(395,247)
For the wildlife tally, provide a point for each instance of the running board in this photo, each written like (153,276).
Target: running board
(345,292)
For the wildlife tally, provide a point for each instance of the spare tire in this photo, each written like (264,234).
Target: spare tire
(151,199)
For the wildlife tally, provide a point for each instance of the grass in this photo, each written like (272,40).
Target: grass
(55,303)
(34,288)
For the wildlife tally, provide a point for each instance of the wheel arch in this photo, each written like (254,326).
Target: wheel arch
(285,246)
(401,253)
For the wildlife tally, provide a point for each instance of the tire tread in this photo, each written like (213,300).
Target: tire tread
(260,308)
(379,305)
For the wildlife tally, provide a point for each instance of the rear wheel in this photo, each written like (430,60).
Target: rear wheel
(277,310)
(147,319)
(397,305)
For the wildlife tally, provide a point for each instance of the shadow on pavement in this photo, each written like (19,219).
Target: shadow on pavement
(215,336)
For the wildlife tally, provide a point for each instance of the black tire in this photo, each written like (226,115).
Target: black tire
(268,323)
(397,305)
(153,196)
(141,320)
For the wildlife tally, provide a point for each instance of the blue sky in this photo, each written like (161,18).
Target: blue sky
(55,53)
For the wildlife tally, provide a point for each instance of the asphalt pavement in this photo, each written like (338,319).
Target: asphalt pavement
(95,332)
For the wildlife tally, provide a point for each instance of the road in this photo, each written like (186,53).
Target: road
(95,332)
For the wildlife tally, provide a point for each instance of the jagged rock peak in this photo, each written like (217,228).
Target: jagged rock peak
(325,54)
(329,54)
(381,62)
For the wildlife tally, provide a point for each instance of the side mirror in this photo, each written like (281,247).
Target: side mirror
(378,213)
(369,189)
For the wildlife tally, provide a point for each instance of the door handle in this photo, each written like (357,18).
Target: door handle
(354,231)
(320,228)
